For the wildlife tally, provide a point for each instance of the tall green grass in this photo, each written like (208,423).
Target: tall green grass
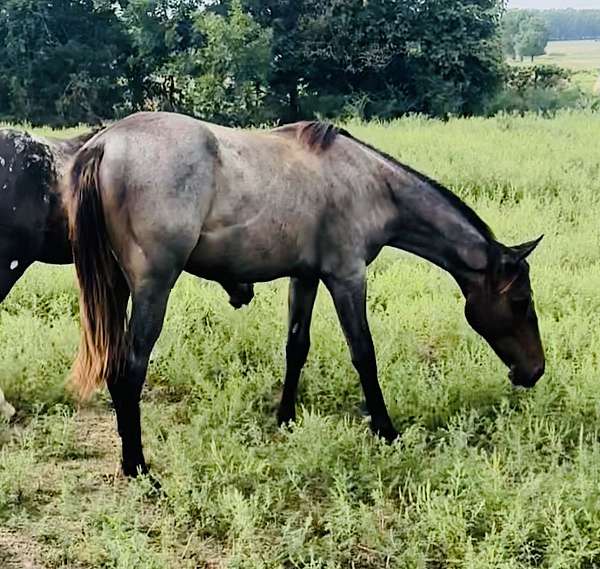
(483,476)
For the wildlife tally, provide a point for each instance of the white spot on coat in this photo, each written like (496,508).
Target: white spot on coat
(14,264)
(2,161)
(19,145)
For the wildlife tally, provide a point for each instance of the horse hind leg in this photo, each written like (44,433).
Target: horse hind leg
(150,289)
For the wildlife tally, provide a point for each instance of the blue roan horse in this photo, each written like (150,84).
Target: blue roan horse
(156,194)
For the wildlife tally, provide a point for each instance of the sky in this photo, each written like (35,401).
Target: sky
(539,4)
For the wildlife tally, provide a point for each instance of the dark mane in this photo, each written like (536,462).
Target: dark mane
(317,136)
(450,197)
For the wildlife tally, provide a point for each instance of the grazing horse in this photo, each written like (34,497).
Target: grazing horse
(33,222)
(156,194)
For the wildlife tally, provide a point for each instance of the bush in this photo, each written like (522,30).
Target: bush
(540,89)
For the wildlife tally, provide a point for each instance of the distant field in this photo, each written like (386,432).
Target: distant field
(575,55)
(483,477)
(582,57)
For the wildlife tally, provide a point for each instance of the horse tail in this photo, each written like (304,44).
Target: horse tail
(102,304)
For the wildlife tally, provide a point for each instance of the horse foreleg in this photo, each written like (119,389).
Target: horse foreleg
(149,303)
(301,299)
(349,297)
(6,409)
(9,277)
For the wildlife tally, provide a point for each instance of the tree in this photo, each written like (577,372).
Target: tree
(524,34)
(160,31)
(509,30)
(532,38)
(227,76)
(60,61)
(247,61)
(435,57)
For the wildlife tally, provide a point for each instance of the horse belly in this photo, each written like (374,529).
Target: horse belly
(243,255)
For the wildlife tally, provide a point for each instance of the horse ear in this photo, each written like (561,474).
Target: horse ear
(521,252)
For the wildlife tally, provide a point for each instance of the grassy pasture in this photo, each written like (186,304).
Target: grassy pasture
(582,57)
(576,55)
(483,476)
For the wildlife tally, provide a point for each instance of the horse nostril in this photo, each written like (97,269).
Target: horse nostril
(539,371)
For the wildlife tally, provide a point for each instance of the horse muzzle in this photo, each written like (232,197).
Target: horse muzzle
(527,380)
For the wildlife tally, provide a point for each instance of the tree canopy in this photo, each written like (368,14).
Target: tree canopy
(247,61)
(524,34)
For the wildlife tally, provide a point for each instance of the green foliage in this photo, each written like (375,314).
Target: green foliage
(60,62)
(437,58)
(246,61)
(524,34)
(537,76)
(160,31)
(227,78)
(484,476)
(541,89)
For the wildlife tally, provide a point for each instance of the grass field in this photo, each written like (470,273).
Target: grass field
(483,477)
(582,57)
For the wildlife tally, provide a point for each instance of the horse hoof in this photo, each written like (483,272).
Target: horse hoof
(6,409)
(387,433)
(134,470)
(285,421)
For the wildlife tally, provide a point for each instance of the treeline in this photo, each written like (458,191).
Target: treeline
(572,24)
(246,61)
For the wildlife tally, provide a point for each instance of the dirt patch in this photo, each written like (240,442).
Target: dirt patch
(97,430)
(97,435)
(19,551)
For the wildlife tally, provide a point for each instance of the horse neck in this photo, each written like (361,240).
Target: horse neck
(435,225)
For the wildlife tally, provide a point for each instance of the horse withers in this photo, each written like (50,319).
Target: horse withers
(156,194)
(33,221)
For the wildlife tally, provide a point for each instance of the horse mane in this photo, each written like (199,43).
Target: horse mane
(470,214)
(316,136)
